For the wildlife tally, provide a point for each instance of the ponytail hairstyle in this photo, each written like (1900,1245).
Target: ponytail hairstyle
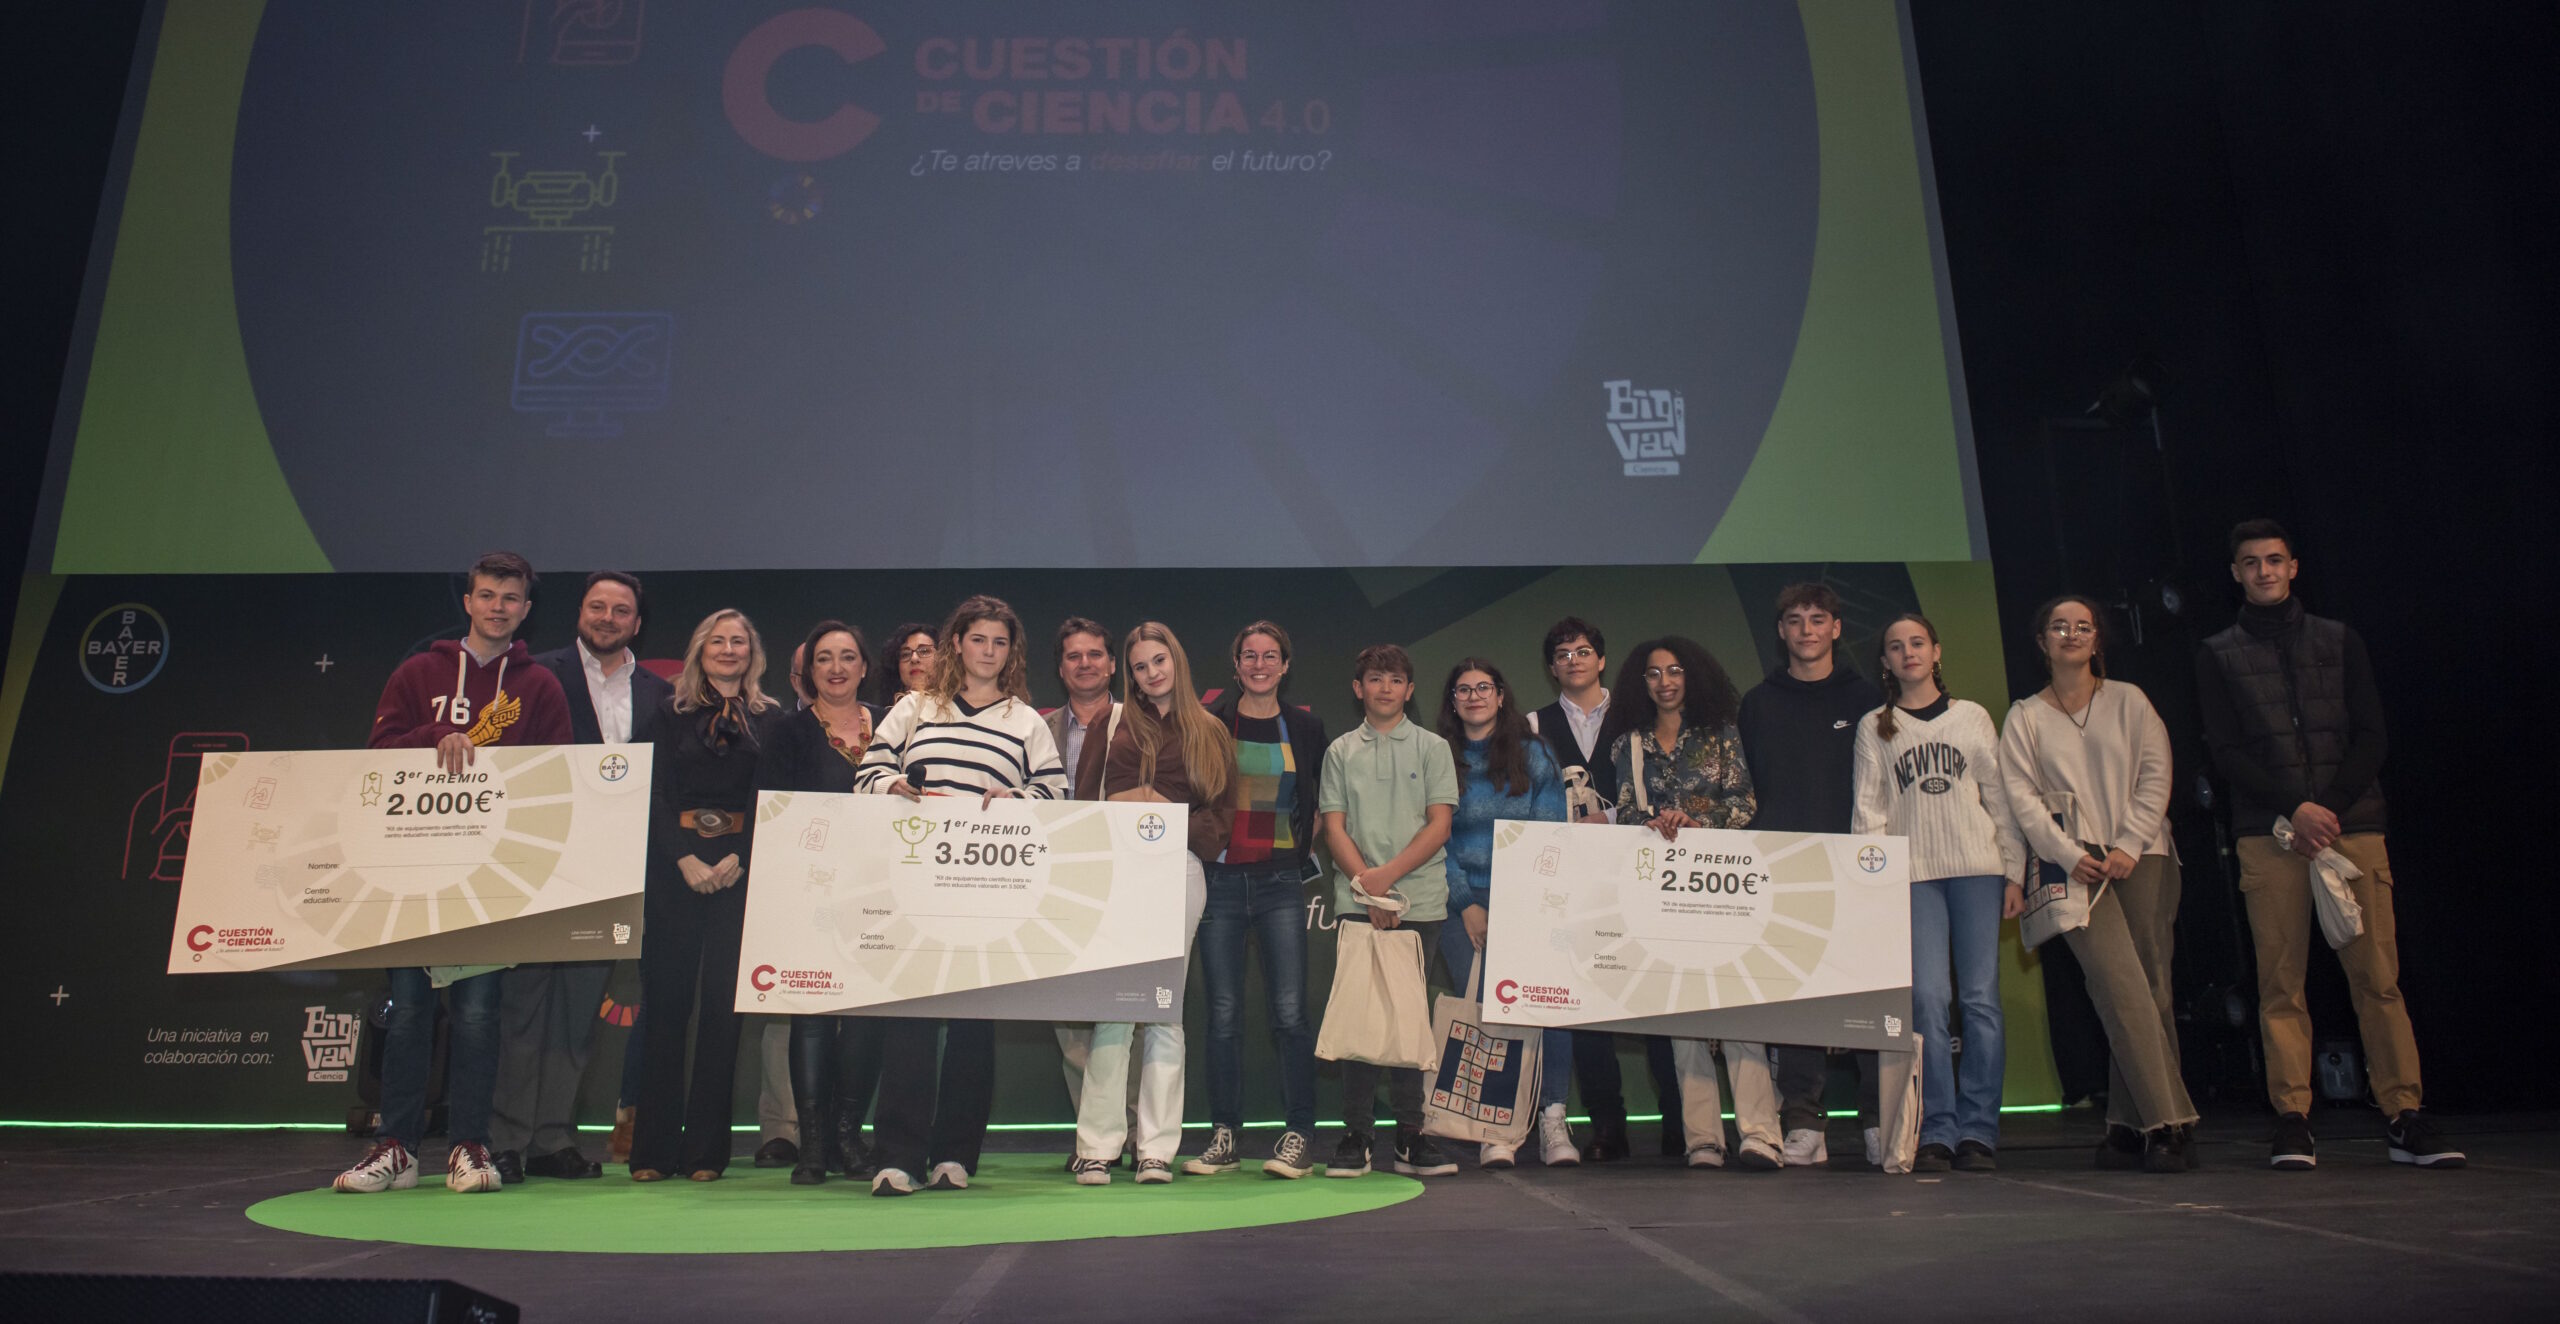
(1506,753)
(1208,752)
(1890,683)
(2097,622)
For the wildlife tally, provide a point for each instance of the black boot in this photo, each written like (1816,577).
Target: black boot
(810,1169)
(813,1096)
(1608,1141)
(848,1152)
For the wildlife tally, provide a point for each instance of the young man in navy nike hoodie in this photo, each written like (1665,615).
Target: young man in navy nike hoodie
(1800,738)
(482,689)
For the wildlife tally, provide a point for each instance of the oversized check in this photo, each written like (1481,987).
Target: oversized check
(1040,910)
(1774,937)
(355,858)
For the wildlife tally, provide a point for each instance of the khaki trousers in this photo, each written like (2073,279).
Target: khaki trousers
(2125,955)
(2276,883)
(1755,1094)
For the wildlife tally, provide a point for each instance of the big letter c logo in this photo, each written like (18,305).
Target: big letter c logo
(762,979)
(1507,992)
(751,112)
(200,938)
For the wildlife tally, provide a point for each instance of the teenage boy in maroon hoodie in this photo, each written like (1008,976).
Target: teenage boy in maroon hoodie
(482,689)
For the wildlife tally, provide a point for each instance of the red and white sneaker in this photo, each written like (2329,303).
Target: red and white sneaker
(385,1167)
(469,1169)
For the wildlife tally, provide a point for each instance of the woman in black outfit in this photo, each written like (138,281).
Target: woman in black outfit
(711,738)
(835,1060)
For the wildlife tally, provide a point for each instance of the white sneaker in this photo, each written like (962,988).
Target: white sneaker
(1875,1147)
(948,1177)
(893,1181)
(385,1167)
(1758,1155)
(1091,1171)
(1807,1146)
(1498,1156)
(1555,1138)
(1707,1156)
(468,1169)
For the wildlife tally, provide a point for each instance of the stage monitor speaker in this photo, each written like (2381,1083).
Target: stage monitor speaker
(78,1298)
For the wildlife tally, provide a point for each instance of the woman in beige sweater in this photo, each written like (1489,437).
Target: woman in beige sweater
(2085,762)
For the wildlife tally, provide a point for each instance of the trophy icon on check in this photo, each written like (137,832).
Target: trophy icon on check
(912,829)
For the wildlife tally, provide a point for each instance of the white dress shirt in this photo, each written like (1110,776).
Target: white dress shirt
(611,694)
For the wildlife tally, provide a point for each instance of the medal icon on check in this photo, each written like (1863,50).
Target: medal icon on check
(912,829)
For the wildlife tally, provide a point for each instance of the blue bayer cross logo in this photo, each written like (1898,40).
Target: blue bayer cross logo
(1871,858)
(614,768)
(1150,827)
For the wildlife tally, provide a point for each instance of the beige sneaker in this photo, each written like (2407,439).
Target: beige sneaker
(469,1170)
(385,1167)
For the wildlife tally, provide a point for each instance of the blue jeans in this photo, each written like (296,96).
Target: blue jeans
(471,1058)
(1959,916)
(1555,1059)
(1269,902)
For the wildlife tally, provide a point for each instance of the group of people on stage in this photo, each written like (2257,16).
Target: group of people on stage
(2074,787)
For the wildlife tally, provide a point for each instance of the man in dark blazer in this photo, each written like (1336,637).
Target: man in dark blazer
(547,1012)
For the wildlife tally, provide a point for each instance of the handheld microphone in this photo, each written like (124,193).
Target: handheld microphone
(915,775)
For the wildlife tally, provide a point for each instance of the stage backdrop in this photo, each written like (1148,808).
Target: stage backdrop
(1181,309)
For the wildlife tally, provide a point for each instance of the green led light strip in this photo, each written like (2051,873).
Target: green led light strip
(998,1126)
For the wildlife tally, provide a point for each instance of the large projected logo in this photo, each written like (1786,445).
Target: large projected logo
(124,648)
(1650,428)
(743,95)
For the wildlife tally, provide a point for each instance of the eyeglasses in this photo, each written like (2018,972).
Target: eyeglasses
(2071,629)
(1265,658)
(919,653)
(1582,654)
(1480,690)
(1657,673)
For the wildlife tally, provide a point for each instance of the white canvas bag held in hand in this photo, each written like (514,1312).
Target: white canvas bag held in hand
(1379,1010)
(2341,918)
(1486,1088)
(2057,903)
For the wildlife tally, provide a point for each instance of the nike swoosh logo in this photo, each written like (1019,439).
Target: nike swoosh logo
(1841,725)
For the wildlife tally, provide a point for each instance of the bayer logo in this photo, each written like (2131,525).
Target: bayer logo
(1871,858)
(1150,827)
(614,768)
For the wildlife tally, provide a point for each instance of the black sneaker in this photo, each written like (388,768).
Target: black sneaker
(777,1153)
(2414,1140)
(1608,1142)
(2165,1150)
(1933,1157)
(2121,1151)
(510,1166)
(1292,1156)
(1975,1156)
(1350,1157)
(1219,1157)
(1417,1156)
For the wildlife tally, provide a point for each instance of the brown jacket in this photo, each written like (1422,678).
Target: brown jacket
(1101,772)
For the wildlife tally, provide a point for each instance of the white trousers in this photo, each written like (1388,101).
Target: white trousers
(1102,1106)
(1075,1047)
(1755,1094)
(777,1113)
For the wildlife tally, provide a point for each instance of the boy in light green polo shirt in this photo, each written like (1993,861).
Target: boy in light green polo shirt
(1388,791)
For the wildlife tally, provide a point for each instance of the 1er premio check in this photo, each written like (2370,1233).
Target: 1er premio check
(1014,910)
(357,858)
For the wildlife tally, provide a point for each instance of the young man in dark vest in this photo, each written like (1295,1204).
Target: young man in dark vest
(2295,724)
(1578,661)
(1800,736)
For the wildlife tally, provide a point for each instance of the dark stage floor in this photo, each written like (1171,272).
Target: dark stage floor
(2047,1237)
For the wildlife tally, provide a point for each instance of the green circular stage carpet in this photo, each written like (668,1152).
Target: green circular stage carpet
(1014,1197)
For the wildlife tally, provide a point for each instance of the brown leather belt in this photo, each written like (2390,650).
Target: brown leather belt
(713,822)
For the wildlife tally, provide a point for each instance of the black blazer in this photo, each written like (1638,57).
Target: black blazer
(649,695)
(800,758)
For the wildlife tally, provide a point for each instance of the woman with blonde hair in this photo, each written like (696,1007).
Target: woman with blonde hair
(971,730)
(712,737)
(1165,749)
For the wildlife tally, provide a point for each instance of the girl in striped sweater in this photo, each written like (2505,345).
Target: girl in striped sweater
(970,731)
(1928,769)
